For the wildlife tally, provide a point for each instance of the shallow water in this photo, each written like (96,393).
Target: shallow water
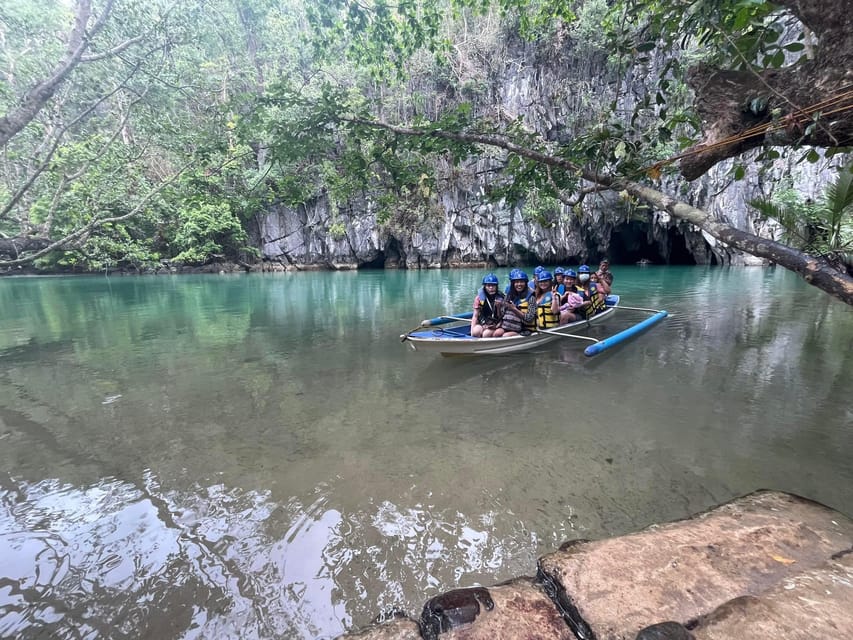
(259,456)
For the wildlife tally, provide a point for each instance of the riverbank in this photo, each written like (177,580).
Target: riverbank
(167,268)
(767,565)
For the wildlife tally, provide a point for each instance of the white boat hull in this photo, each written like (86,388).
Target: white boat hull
(445,342)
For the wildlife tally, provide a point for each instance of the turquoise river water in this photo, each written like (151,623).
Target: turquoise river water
(258,456)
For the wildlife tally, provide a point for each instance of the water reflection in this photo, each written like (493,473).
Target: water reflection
(260,457)
(113,558)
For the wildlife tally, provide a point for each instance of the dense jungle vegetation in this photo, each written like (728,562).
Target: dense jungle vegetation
(135,132)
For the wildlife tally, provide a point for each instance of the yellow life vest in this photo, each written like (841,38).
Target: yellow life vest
(523,306)
(598,305)
(545,316)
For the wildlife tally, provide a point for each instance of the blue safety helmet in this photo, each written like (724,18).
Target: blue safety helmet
(517,274)
(559,271)
(544,275)
(593,287)
(539,270)
(570,273)
(583,269)
(490,279)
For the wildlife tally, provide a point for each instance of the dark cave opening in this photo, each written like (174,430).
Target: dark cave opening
(630,244)
(378,262)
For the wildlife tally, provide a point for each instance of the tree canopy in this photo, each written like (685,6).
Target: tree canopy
(762,75)
(133,131)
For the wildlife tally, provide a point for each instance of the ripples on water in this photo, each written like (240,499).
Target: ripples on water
(260,457)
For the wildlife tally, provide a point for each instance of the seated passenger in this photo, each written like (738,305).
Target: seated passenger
(571,309)
(488,309)
(559,281)
(594,301)
(519,316)
(583,276)
(536,272)
(547,302)
(605,277)
(571,281)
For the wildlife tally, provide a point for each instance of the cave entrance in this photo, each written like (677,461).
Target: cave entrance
(633,242)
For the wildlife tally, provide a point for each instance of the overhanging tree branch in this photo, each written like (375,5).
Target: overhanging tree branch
(807,103)
(35,99)
(83,231)
(814,270)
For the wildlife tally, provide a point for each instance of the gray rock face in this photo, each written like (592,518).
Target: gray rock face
(547,85)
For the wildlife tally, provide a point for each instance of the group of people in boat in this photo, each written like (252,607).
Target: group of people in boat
(550,301)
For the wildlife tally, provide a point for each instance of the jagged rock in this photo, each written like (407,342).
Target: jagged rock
(463,228)
(611,589)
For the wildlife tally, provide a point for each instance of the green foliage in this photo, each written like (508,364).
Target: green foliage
(824,227)
(266,114)
(732,33)
(542,207)
(207,231)
(378,36)
(337,230)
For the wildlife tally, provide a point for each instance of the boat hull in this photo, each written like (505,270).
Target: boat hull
(456,341)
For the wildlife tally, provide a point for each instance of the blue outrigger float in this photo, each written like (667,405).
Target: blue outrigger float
(456,339)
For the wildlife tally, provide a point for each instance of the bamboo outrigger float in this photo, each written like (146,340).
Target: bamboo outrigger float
(433,336)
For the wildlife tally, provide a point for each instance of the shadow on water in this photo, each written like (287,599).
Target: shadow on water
(440,373)
(33,350)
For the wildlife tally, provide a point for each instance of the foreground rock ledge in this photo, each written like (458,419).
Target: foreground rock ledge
(768,565)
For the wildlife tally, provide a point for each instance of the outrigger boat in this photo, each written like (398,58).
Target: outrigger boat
(456,339)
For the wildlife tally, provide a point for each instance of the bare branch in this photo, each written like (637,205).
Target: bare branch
(55,145)
(35,99)
(114,51)
(84,231)
(582,193)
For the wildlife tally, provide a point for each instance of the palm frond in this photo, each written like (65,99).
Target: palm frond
(787,216)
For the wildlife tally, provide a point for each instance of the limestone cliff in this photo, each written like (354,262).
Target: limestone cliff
(548,89)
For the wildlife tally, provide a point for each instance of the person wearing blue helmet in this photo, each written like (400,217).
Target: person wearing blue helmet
(488,309)
(547,302)
(536,273)
(571,281)
(519,316)
(583,275)
(559,281)
(594,299)
(516,274)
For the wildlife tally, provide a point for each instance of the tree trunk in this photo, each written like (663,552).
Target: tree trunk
(808,103)
(815,271)
(35,99)
(13,247)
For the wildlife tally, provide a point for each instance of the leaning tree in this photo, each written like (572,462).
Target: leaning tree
(765,75)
